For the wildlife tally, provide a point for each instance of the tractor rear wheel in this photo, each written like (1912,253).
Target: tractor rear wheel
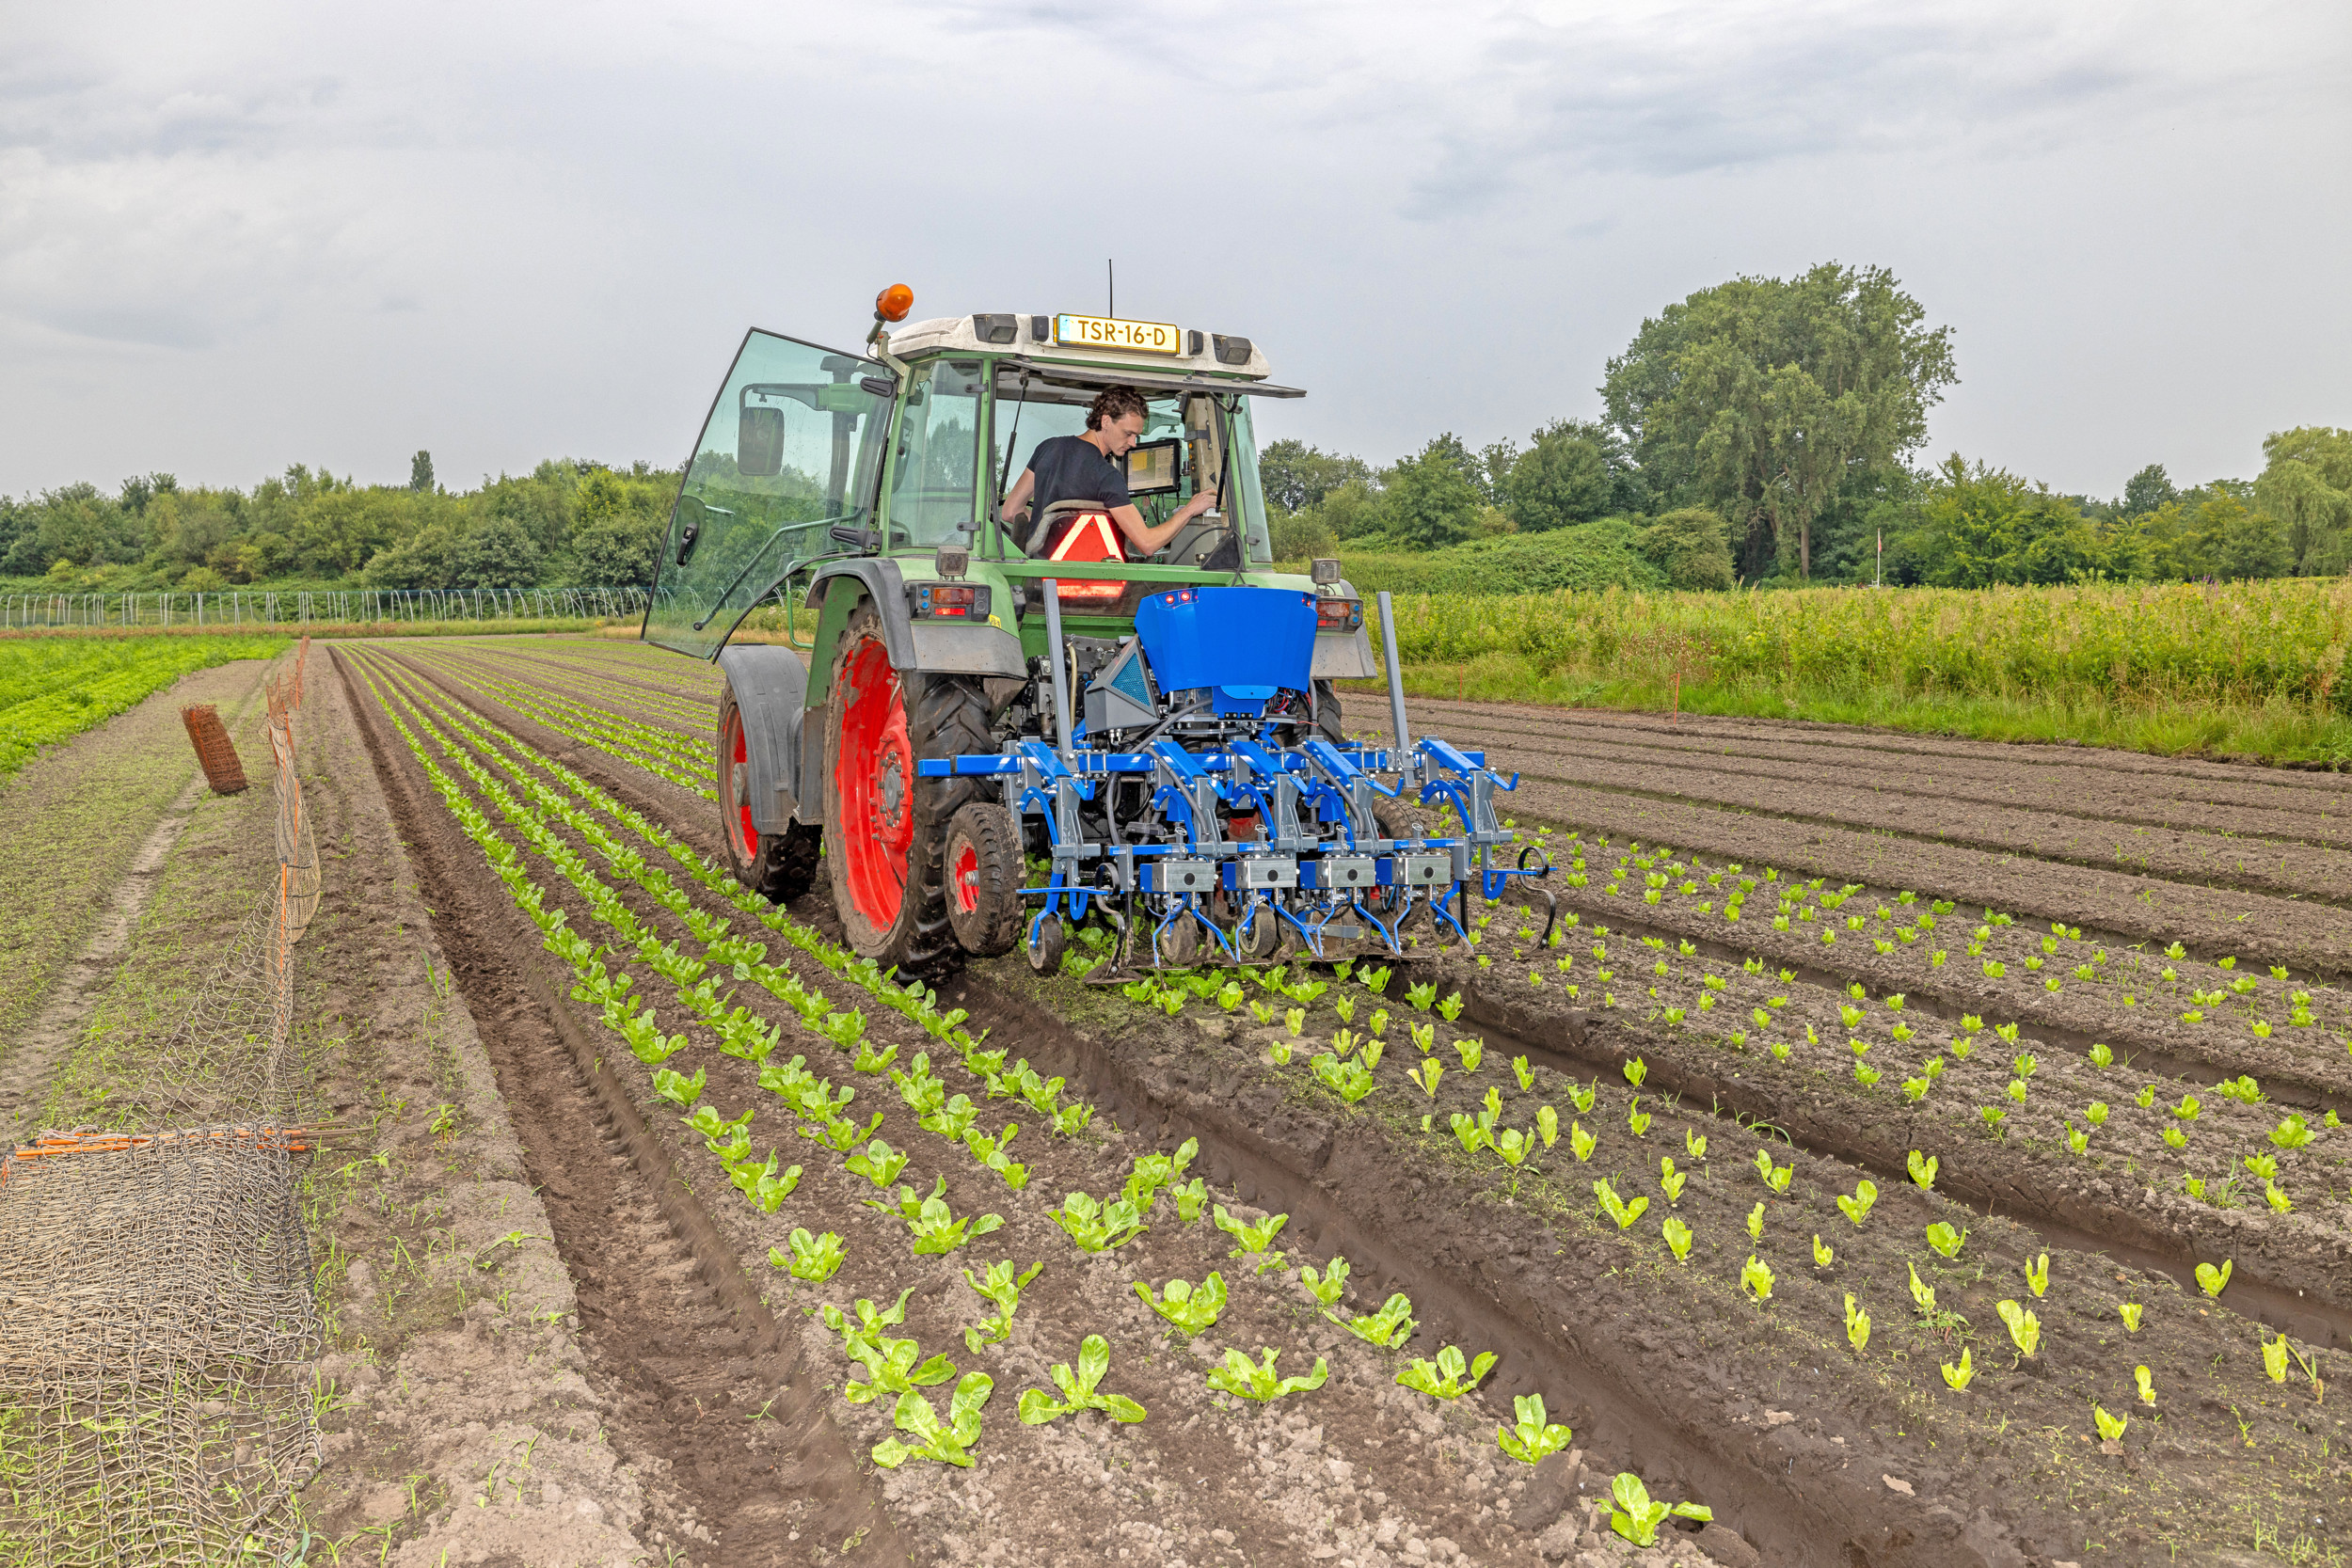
(885,828)
(779,865)
(985,872)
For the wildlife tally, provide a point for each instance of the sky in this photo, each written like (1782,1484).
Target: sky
(247,234)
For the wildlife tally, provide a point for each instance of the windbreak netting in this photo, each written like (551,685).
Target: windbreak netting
(157,1326)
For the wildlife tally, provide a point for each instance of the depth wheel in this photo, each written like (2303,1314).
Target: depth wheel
(885,828)
(780,866)
(1179,945)
(1044,950)
(1261,937)
(984,872)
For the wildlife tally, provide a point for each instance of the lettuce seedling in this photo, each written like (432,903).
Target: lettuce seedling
(2147,1384)
(1637,1516)
(1096,1227)
(1472,1051)
(1756,1222)
(1524,1074)
(1071,1119)
(1002,1289)
(2294,1132)
(841,1135)
(763,1186)
(1419,996)
(1776,1178)
(1152,1172)
(1512,1147)
(1248,1380)
(1350,1080)
(1669,1178)
(1427,1074)
(2214,1281)
(1190,1307)
(2076,1140)
(1469,1130)
(1584,1096)
(952,1120)
(1755,1278)
(814,1259)
(1189,1198)
(1531,1438)
(1857,1208)
(1858,1325)
(1547,1125)
(1922,1293)
(1960,1376)
(1637,1118)
(1823,1254)
(1389,1328)
(2131,1312)
(2145,1098)
(1077,1388)
(1448,1377)
(2274,1359)
(1327,1287)
(2037,1274)
(1253,1237)
(2025,1329)
(1677,1239)
(1617,1209)
(891,1368)
(1945,1239)
(879,1163)
(1425,1037)
(2101,1055)
(1581,1143)
(951,1443)
(2110,1427)
(1345,1007)
(1636,1071)
(678,1089)
(1451,1009)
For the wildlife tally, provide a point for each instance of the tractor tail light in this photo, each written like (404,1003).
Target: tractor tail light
(1336,614)
(947,601)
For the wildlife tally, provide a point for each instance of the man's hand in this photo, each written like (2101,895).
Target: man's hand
(1203,500)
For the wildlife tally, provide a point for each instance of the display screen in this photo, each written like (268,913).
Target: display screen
(1154,468)
(1103,332)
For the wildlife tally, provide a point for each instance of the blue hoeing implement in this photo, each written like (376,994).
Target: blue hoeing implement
(1188,801)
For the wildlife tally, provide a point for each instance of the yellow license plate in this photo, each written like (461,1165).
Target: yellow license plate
(1103,332)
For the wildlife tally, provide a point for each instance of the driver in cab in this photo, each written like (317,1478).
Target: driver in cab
(1091,467)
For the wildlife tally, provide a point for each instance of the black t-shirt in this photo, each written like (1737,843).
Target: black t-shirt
(1071,468)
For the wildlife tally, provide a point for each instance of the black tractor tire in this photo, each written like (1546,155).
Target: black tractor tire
(1327,723)
(778,867)
(885,827)
(985,872)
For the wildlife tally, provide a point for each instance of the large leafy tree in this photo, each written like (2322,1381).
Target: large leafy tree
(1295,476)
(1431,498)
(1570,474)
(1761,396)
(2147,490)
(2306,484)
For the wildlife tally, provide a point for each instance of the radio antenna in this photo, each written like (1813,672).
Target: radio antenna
(1110,274)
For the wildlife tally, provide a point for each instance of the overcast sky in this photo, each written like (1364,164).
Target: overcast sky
(240,236)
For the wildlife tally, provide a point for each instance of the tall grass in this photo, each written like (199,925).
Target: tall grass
(2257,668)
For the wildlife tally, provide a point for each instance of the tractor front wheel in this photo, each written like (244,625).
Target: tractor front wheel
(885,827)
(779,865)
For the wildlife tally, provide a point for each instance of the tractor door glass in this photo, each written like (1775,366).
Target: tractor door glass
(936,460)
(1247,495)
(790,453)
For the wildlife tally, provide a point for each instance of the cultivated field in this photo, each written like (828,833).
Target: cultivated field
(1918,1152)
(1915,1151)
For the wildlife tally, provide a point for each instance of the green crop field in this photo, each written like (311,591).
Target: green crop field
(53,689)
(2255,668)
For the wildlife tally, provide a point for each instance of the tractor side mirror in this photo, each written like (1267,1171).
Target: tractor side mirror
(759,443)
(1324,569)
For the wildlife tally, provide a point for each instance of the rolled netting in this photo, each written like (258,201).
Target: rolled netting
(157,1325)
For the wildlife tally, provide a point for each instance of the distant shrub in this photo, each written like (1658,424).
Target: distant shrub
(1588,556)
(1689,547)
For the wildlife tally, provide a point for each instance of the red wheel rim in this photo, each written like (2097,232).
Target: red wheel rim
(739,795)
(965,878)
(873,779)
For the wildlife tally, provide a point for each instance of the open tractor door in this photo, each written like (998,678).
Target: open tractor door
(963,694)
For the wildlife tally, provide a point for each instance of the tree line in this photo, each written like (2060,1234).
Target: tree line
(565,523)
(1768,430)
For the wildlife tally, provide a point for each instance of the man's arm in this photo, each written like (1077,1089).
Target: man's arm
(1019,497)
(1150,540)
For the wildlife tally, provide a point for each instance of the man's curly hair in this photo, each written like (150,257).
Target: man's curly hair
(1114,403)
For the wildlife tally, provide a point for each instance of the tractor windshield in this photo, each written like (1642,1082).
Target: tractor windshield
(789,454)
(1187,437)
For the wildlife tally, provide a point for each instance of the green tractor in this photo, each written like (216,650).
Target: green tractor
(954,696)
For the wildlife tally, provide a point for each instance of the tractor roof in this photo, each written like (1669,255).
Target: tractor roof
(1204,358)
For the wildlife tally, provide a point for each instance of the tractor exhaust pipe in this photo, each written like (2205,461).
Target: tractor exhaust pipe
(1396,675)
(1054,656)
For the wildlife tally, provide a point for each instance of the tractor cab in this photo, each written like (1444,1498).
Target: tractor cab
(960,691)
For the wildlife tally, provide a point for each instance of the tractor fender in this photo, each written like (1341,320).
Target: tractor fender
(933,647)
(1345,656)
(771,688)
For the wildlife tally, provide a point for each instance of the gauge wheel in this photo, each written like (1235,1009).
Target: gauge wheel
(1179,945)
(1260,934)
(984,873)
(1044,947)
(778,865)
(886,828)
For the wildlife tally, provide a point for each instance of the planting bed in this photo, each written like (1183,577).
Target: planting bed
(555,796)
